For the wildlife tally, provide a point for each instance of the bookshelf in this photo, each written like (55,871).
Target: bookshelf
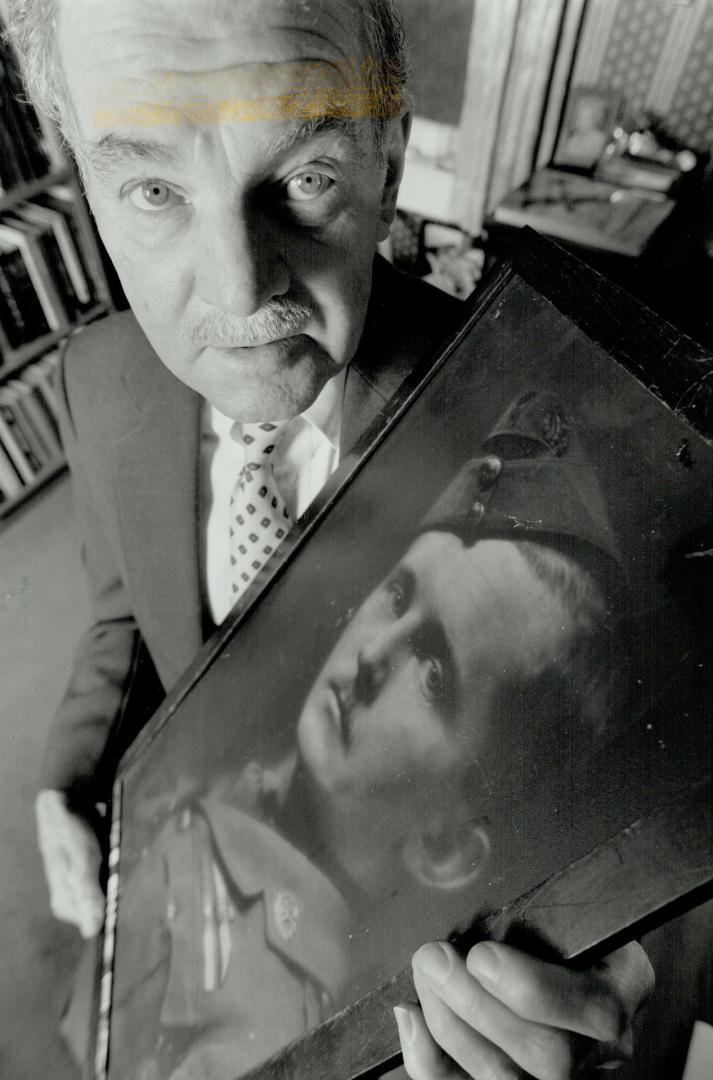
(52,282)
(20,358)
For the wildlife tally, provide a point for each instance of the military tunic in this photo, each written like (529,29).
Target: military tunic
(231,943)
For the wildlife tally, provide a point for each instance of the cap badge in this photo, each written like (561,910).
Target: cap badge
(555,432)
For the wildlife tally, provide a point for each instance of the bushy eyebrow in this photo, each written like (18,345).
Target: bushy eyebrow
(115,149)
(322,125)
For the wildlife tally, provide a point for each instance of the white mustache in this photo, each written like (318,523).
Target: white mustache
(277,319)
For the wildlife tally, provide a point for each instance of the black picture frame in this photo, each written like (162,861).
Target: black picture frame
(639,393)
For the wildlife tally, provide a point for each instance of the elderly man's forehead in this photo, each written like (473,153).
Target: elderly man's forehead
(196,30)
(163,62)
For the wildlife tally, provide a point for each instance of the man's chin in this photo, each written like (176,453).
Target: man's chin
(266,382)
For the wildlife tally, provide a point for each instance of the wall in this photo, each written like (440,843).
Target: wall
(438,33)
(659,55)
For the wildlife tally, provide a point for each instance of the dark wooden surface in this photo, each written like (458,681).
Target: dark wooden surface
(665,360)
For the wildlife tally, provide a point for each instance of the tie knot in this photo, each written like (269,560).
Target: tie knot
(260,440)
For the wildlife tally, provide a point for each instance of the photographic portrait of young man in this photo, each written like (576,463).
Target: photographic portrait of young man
(242,160)
(254,899)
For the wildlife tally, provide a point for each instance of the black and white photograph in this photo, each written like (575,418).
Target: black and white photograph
(355,534)
(588,127)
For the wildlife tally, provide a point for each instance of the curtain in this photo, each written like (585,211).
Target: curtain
(520,59)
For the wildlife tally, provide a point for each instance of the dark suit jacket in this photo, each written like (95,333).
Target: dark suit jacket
(132,436)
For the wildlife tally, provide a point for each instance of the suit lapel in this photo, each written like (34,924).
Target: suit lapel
(406,322)
(156,480)
(362,403)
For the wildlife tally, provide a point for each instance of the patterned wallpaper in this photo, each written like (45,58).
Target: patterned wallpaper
(691,111)
(659,55)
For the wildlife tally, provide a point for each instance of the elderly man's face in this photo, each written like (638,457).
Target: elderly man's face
(235,184)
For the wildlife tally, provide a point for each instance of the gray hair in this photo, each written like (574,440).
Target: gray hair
(32,30)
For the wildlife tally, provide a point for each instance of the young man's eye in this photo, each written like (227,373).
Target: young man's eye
(308,184)
(154,195)
(397,599)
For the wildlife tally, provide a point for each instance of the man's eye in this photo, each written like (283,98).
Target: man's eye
(154,195)
(433,680)
(397,599)
(308,185)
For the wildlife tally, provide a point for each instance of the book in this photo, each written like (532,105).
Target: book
(6,328)
(57,223)
(44,237)
(44,371)
(40,379)
(14,400)
(10,482)
(18,292)
(30,398)
(56,268)
(590,212)
(61,198)
(26,239)
(16,445)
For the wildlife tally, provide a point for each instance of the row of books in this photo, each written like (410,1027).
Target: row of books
(22,157)
(29,433)
(45,282)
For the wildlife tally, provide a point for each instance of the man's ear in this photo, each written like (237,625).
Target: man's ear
(450,858)
(396,136)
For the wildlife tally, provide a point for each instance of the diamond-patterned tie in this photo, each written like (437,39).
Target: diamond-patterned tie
(259,520)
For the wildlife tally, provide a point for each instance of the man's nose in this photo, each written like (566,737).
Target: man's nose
(378,660)
(239,264)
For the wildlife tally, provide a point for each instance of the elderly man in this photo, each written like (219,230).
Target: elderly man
(242,159)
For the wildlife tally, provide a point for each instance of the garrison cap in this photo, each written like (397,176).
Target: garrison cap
(532,482)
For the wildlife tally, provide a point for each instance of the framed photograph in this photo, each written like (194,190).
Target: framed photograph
(471,696)
(589,119)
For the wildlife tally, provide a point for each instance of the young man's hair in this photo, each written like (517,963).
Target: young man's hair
(32,30)
(554,715)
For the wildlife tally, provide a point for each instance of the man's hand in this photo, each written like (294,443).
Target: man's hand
(501,1014)
(72,859)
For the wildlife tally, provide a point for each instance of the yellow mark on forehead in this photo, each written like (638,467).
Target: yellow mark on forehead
(298,90)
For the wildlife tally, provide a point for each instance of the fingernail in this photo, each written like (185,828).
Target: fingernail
(484,963)
(434,962)
(404,1022)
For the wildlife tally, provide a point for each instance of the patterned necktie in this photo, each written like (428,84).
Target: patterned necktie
(259,520)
